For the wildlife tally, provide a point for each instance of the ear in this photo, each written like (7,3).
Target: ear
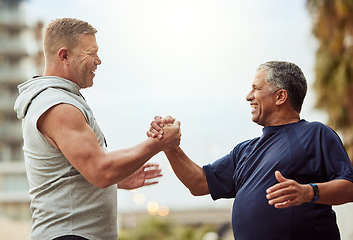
(63,54)
(281,97)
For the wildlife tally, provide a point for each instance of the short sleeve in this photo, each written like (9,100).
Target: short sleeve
(337,163)
(219,177)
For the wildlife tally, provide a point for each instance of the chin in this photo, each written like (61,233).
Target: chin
(89,84)
(255,120)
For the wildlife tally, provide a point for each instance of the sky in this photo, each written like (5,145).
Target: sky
(191,59)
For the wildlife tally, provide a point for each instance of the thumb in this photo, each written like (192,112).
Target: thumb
(280,177)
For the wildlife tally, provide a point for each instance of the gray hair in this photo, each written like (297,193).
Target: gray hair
(287,76)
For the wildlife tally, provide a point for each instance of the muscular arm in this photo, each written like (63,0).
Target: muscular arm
(65,127)
(288,193)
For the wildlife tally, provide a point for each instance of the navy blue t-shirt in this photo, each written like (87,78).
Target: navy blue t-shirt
(308,152)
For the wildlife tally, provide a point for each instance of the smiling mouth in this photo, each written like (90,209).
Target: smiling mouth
(93,72)
(253,108)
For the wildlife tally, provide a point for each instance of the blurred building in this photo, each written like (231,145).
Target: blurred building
(21,57)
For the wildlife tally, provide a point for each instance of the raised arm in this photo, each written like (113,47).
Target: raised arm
(187,171)
(65,127)
(288,193)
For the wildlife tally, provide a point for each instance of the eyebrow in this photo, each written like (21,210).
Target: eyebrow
(255,85)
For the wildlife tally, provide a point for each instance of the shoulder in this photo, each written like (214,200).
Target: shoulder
(59,121)
(241,147)
(54,97)
(315,125)
(316,129)
(62,114)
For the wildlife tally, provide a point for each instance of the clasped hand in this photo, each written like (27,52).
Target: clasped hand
(164,129)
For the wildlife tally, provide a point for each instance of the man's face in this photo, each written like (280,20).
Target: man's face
(85,61)
(262,100)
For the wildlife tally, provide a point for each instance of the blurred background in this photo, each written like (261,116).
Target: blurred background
(193,60)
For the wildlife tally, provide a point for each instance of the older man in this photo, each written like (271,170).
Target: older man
(317,170)
(72,177)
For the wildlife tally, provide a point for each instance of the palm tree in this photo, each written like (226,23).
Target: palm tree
(333,28)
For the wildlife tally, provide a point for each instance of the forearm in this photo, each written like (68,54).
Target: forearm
(121,164)
(188,172)
(335,192)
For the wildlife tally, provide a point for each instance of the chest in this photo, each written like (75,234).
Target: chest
(257,163)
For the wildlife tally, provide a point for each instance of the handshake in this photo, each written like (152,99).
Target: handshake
(167,131)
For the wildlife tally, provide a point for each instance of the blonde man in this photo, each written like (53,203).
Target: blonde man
(72,177)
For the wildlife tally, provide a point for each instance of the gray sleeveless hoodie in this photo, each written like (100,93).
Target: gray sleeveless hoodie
(63,202)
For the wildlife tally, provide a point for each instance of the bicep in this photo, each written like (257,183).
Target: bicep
(65,127)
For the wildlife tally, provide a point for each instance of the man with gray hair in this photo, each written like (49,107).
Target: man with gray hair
(267,205)
(73,179)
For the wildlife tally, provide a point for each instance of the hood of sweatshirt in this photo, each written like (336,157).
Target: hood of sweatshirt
(33,87)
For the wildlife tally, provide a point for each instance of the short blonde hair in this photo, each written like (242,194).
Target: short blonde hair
(64,32)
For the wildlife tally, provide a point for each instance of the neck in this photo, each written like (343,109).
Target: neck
(55,71)
(289,117)
(290,120)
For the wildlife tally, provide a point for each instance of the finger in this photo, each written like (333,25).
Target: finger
(159,121)
(282,183)
(274,188)
(285,204)
(278,200)
(150,135)
(156,127)
(290,201)
(177,122)
(154,133)
(150,183)
(148,165)
(168,120)
(153,174)
(280,189)
(151,170)
(284,201)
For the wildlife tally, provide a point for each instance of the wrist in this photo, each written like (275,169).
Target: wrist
(314,192)
(155,144)
(175,152)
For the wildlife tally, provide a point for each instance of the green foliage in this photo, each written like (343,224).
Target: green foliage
(333,28)
(158,229)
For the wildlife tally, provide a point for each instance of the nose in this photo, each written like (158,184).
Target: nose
(98,61)
(250,96)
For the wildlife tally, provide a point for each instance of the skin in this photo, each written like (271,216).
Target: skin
(65,127)
(77,65)
(187,171)
(269,108)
